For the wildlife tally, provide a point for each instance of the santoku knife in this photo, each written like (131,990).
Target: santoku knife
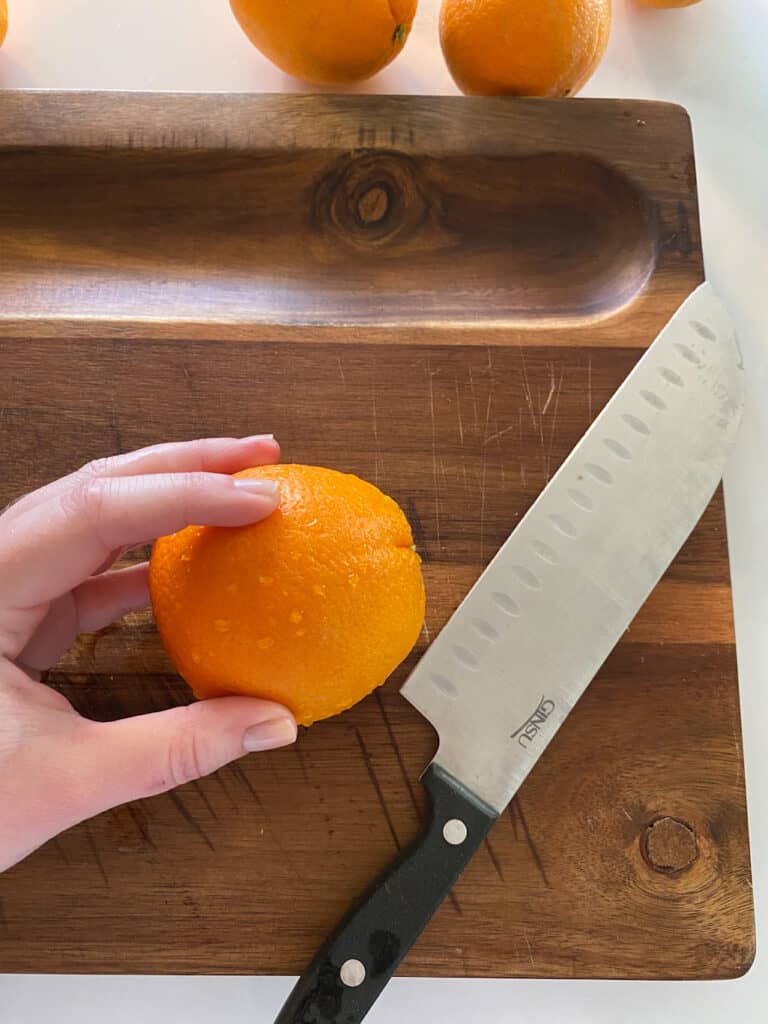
(526,641)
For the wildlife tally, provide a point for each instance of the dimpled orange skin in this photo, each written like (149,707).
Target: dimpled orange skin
(3,20)
(327,41)
(313,607)
(523,47)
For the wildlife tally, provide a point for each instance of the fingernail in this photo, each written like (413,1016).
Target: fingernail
(268,488)
(277,732)
(258,437)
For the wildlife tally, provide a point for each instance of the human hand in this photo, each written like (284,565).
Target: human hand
(56,548)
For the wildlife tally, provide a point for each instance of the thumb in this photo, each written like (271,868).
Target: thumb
(149,754)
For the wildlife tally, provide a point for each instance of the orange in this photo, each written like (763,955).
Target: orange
(313,607)
(328,41)
(3,20)
(523,47)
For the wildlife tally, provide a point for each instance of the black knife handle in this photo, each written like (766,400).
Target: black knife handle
(358,959)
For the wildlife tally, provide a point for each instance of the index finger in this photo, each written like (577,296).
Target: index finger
(203,455)
(52,547)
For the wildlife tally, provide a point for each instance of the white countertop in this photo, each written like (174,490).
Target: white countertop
(712,59)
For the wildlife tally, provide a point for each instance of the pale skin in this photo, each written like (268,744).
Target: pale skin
(57,546)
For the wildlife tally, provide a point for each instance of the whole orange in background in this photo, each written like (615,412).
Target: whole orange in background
(3,20)
(312,607)
(523,47)
(327,41)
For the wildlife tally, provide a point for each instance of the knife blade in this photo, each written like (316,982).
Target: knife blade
(528,638)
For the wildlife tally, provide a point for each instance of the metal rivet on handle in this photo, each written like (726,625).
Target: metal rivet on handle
(352,973)
(454,832)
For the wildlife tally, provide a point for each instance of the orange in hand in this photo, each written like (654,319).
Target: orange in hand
(313,607)
(330,41)
(3,20)
(523,47)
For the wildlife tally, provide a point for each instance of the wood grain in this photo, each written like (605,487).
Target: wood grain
(438,295)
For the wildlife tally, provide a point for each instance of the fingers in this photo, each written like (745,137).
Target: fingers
(149,754)
(53,546)
(68,769)
(206,455)
(90,606)
(103,599)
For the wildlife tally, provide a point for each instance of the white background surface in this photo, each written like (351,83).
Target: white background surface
(712,59)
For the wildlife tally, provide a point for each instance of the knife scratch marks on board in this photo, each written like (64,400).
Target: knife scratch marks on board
(60,850)
(219,776)
(396,749)
(530,950)
(527,390)
(238,772)
(540,421)
(302,764)
(266,758)
(183,810)
(736,734)
(95,853)
(499,433)
(199,789)
(454,901)
(474,399)
(513,818)
(494,859)
(379,793)
(531,845)
(431,374)
(341,373)
(551,393)
(460,422)
(136,817)
(406,778)
(484,466)
(490,397)
(116,432)
(556,391)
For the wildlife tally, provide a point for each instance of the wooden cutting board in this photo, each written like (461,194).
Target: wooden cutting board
(438,295)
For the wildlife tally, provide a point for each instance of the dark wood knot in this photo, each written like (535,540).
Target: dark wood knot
(373,204)
(669,846)
(371,199)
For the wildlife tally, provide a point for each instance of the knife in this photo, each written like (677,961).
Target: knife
(528,638)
